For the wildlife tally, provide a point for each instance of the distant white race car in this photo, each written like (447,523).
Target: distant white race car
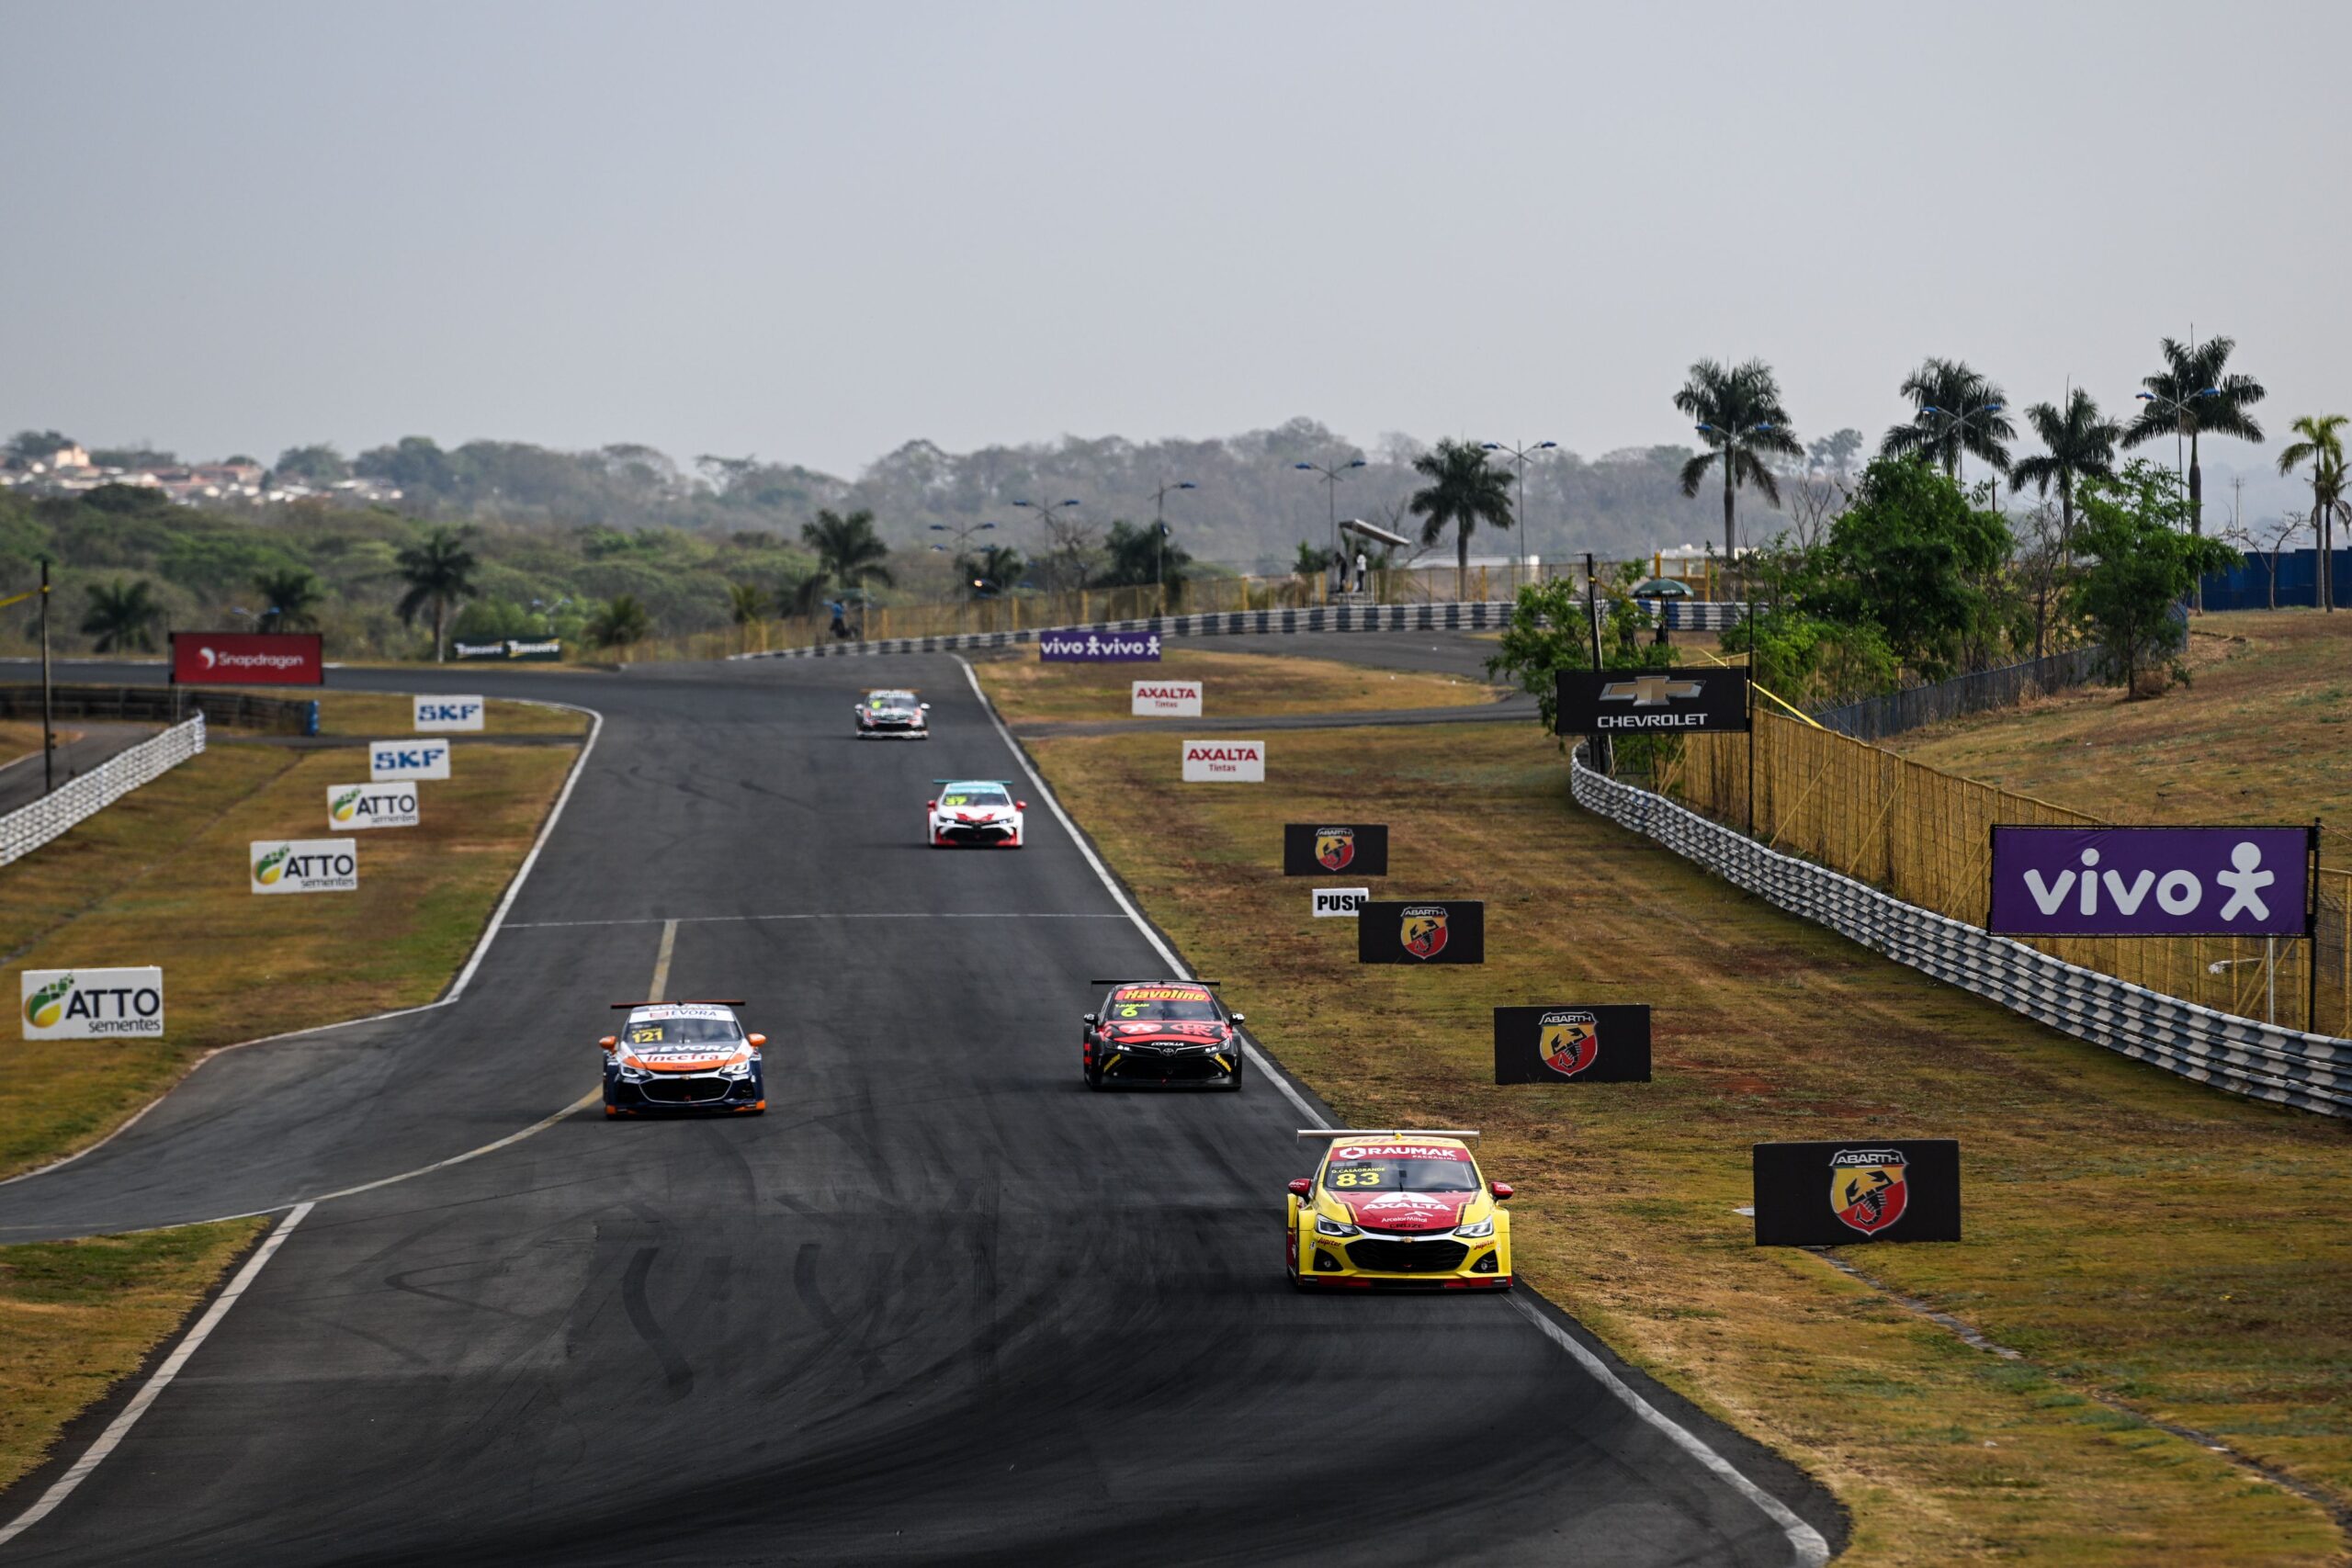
(976,811)
(892,716)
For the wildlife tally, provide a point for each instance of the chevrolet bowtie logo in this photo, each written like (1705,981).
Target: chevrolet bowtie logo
(1649,691)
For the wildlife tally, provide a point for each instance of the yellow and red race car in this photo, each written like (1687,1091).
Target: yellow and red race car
(1398,1209)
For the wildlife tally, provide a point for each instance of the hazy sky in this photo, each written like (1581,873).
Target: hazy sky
(815,231)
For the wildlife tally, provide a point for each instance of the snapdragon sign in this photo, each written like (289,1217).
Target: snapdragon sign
(1083,646)
(2151,881)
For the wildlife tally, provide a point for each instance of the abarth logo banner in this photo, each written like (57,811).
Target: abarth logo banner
(1678,702)
(1423,930)
(1451,931)
(91,1004)
(1165,699)
(1318,849)
(448,713)
(304,865)
(351,807)
(1565,1044)
(408,759)
(1907,1190)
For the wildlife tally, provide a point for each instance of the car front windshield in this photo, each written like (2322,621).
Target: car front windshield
(975,795)
(1153,1004)
(1386,1173)
(893,700)
(683,1031)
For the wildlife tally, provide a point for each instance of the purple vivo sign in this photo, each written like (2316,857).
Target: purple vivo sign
(1079,645)
(2151,881)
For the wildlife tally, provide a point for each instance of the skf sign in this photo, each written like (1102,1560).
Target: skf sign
(91,1004)
(1166,699)
(1224,762)
(448,713)
(388,760)
(304,865)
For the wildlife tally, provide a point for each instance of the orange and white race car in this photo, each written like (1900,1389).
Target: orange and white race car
(1398,1209)
(679,1056)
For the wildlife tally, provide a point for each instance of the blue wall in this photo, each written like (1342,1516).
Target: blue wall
(2248,586)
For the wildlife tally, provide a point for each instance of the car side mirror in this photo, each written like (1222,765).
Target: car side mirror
(931,805)
(1241,1018)
(1499,1189)
(1020,806)
(1090,1018)
(1302,1185)
(756,1040)
(926,706)
(609,1041)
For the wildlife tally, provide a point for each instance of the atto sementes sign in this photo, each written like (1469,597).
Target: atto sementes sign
(91,1004)
(2151,881)
(303,866)
(351,807)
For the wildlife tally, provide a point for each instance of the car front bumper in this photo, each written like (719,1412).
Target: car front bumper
(1188,1066)
(676,1094)
(980,835)
(1371,1263)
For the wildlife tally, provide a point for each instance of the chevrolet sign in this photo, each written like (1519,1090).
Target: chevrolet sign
(1674,701)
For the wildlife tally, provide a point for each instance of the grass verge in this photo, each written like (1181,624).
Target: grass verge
(1233,685)
(76,1317)
(2130,1234)
(384,715)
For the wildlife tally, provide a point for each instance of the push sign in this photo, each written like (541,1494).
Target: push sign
(1340,903)
(448,713)
(388,760)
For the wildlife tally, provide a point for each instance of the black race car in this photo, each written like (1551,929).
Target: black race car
(1167,1033)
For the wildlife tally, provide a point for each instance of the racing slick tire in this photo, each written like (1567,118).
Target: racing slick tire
(1233,1085)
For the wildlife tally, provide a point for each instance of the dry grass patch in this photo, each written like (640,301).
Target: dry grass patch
(2131,1234)
(78,1316)
(1248,686)
(385,715)
(160,877)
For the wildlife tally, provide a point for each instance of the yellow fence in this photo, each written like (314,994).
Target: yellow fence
(1926,837)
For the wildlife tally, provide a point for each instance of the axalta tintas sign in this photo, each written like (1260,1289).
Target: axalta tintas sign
(351,807)
(1082,647)
(1166,699)
(247,659)
(304,865)
(388,760)
(448,713)
(1224,762)
(91,1004)
(2151,881)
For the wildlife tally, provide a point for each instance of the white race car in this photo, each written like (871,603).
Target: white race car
(892,716)
(974,811)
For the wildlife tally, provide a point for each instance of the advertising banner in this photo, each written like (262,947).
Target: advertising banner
(304,865)
(1451,931)
(548,651)
(2151,881)
(1825,1194)
(248,659)
(1224,762)
(1572,1045)
(351,807)
(1167,699)
(407,760)
(448,713)
(1344,903)
(1082,647)
(92,1004)
(1672,702)
(1318,849)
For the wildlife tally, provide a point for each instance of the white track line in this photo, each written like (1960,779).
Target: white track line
(1810,1548)
(457,988)
(120,1427)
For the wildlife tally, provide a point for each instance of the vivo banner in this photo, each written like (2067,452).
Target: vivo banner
(248,659)
(1098,648)
(1170,699)
(304,865)
(92,1004)
(1224,762)
(2151,881)
(353,806)
(408,759)
(448,713)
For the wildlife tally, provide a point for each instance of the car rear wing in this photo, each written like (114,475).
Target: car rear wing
(1006,782)
(1324,1134)
(685,1001)
(1156,980)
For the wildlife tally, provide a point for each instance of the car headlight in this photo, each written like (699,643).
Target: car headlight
(634,1074)
(1332,1227)
(736,1070)
(1483,1228)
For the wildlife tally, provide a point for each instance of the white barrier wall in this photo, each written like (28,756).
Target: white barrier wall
(2311,1072)
(29,827)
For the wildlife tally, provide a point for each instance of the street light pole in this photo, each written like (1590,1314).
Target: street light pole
(48,704)
(1160,538)
(1331,473)
(1956,425)
(1518,455)
(962,532)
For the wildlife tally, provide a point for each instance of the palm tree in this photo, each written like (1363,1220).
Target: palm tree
(747,603)
(2319,443)
(2080,444)
(289,597)
(2192,395)
(1463,491)
(121,616)
(439,571)
(618,622)
(1959,412)
(994,570)
(1739,411)
(848,550)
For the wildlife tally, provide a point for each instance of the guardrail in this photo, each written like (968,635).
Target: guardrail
(29,827)
(1481,614)
(2287,1067)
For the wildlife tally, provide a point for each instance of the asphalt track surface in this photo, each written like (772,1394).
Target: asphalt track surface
(941,1304)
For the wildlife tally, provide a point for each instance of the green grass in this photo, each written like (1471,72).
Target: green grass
(2131,1234)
